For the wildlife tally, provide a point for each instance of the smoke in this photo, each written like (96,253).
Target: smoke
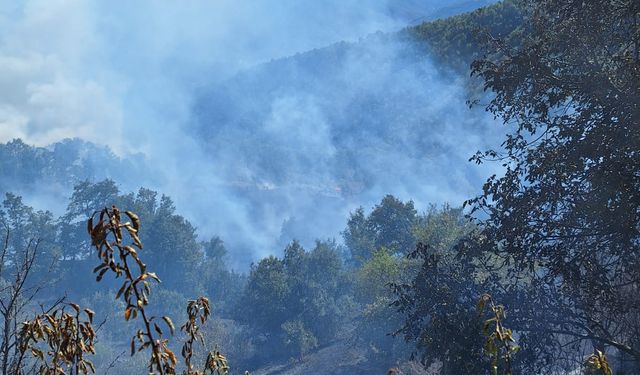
(309,138)
(258,152)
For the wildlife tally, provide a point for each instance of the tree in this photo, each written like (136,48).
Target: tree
(265,296)
(303,290)
(15,297)
(85,198)
(438,305)
(372,278)
(219,282)
(390,225)
(118,247)
(437,298)
(565,216)
(214,249)
(358,237)
(28,256)
(179,257)
(378,320)
(298,338)
(176,256)
(392,222)
(442,227)
(323,288)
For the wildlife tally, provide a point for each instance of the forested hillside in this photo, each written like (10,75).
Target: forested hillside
(288,148)
(47,175)
(284,308)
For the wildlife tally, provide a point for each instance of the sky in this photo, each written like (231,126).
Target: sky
(130,75)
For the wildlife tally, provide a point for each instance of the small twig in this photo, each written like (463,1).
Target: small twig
(113,363)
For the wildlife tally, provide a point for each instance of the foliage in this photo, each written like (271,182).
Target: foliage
(214,250)
(302,287)
(376,320)
(66,338)
(358,237)
(44,170)
(442,227)
(564,215)
(27,259)
(439,229)
(434,295)
(454,41)
(85,197)
(499,342)
(298,338)
(439,318)
(29,229)
(558,244)
(598,363)
(183,245)
(196,310)
(107,237)
(266,295)
(217,364)
(372,278)
(389,225)
(189,266)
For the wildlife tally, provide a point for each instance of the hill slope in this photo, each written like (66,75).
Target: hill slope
(293,145)
(347,123)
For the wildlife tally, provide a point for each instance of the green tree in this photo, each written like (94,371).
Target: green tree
(440,317)
(215,250)
(28,227)
(566,210)
(297,338)
(265,296)
(392,222)
(178,257)
(28,268)
(305,287)
(220,284)
(358,237)
(378,320)
(442,228)
(372,278)
(390,225)
(438,294)
(85,198)
(321,306)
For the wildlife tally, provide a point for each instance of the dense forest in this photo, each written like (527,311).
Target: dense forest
(532,268)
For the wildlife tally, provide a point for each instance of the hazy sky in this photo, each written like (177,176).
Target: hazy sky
(75,68)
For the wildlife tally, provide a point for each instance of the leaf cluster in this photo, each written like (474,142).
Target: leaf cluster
(59,341)
(499,342)
(107,237)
